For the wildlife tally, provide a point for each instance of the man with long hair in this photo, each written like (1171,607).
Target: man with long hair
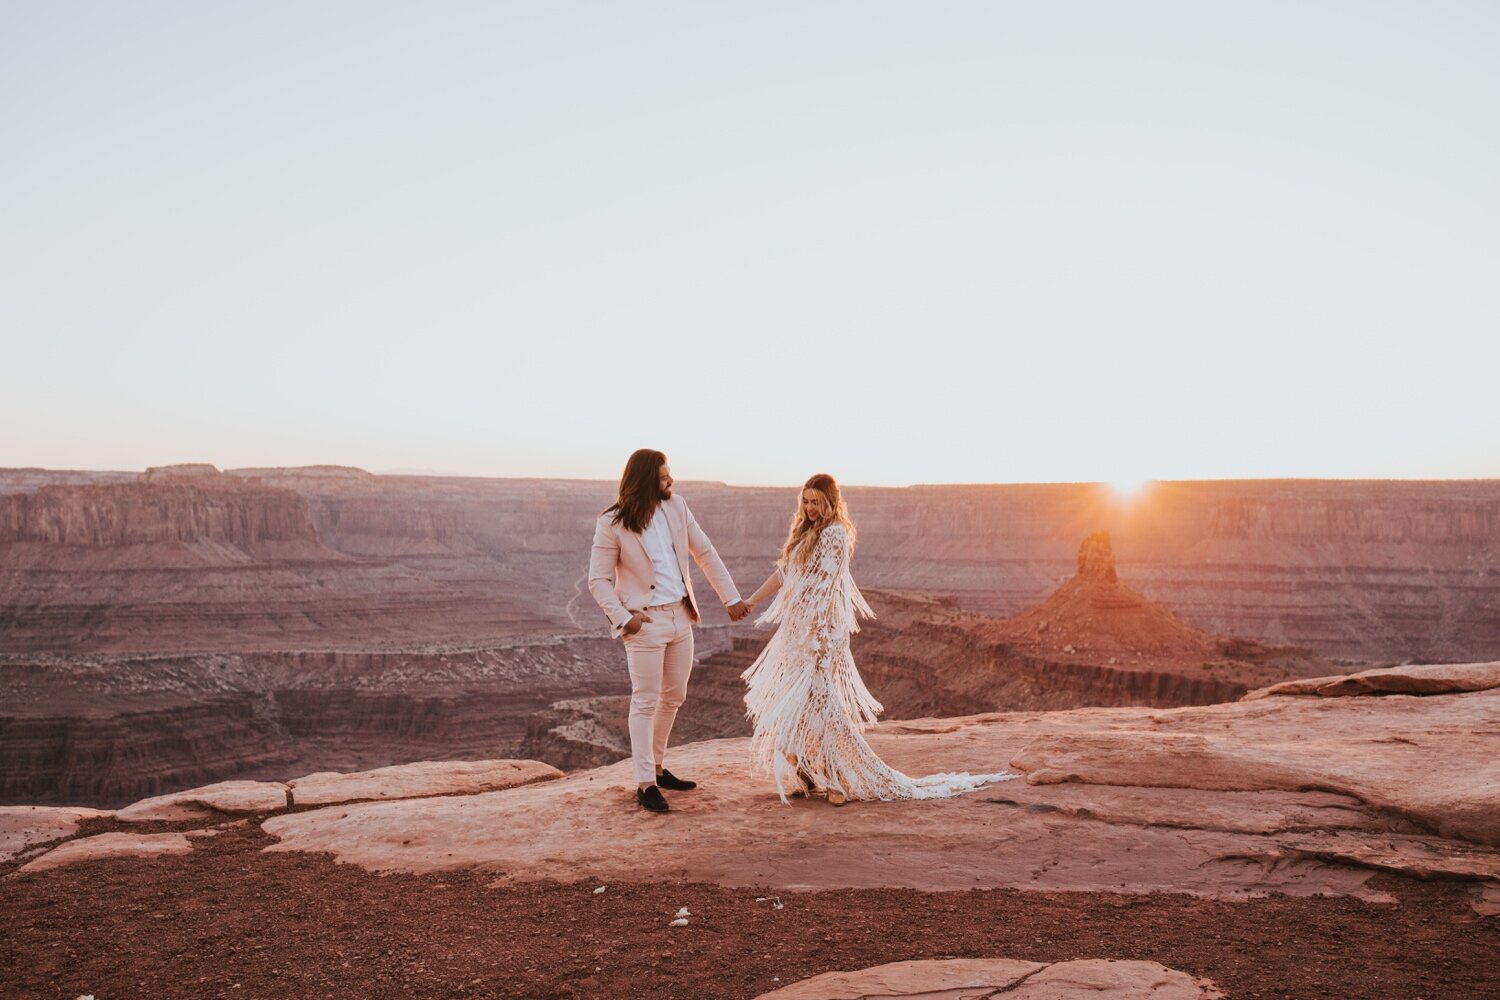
(638,573)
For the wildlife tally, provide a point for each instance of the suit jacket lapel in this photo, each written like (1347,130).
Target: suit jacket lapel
(639,541)
(678,524)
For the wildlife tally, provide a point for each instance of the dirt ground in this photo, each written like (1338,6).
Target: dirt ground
(228,921)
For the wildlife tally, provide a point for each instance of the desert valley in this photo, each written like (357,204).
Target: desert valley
(1116,380)
(1272,706)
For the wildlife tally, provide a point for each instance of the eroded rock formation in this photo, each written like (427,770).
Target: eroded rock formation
(1095,619)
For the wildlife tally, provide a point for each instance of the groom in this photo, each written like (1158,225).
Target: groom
(638,573)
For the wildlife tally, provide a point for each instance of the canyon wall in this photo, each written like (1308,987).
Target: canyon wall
(214,515)
(1371,570)
(192,560)
(106,730)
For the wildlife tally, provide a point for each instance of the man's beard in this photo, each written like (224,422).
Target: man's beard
(665,494)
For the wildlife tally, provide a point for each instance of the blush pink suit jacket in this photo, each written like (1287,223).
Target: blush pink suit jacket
(622,576)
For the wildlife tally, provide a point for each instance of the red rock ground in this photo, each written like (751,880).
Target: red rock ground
(230,921)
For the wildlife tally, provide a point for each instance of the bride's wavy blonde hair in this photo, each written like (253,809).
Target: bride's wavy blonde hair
(803,536)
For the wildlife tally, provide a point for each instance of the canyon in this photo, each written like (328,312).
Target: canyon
(186,624)
(1369,570)
(108,730)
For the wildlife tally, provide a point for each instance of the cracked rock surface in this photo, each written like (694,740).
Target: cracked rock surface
(1292,794)
(984,978)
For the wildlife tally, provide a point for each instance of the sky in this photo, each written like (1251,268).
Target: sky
(897,242)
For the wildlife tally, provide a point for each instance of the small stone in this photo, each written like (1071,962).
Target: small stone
(679,922)
(599,890)
(684,912)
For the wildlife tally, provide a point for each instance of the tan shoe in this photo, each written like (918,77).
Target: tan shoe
(806,786)
(836,798)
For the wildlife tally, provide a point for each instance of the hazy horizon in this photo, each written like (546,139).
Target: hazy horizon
(974,243)
(1128,487)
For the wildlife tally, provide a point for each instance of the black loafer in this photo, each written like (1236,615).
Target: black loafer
(670,781)
(651,798)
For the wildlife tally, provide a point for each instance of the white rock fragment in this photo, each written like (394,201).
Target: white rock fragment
(679,922)
(599,890)
(110,845)
(683,912)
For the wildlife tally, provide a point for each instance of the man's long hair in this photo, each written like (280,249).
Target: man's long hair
(803,536)
(640,490)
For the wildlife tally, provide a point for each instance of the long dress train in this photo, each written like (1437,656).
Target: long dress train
(807,700)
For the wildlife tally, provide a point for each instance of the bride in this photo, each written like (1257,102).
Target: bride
(804,694)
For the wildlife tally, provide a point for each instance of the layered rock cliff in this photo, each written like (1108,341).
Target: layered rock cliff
(1373,571)
(1364,570)
(209,512)
(1367,570)
(186,558)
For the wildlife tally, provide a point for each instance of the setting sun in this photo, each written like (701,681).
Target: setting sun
(1127,489)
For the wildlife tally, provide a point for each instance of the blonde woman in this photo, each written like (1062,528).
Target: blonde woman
(804,693)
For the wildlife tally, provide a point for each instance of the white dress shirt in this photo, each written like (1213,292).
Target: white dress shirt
(658,538)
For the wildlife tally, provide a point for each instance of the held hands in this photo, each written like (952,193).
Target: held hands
(739,610)
(636,621)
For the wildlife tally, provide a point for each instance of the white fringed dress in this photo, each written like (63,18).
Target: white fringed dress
(807,700)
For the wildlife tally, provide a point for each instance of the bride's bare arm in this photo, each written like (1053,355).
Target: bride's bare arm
(765,590)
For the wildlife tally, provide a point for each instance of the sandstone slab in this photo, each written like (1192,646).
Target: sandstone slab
(1299,795)
(1487,899)
(202,803)
(1437,678)
(983,978)
(1095,979)
(110,845)
(1433,760)
(973,976)
(420,779)
(21,827)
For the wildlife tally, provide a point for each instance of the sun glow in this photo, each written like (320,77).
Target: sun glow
(1127,489)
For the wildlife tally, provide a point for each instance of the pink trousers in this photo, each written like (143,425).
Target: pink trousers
(660,657)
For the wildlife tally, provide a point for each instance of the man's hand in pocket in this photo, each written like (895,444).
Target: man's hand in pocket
(636,621)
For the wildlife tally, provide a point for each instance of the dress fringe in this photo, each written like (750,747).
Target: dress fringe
(806,698)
